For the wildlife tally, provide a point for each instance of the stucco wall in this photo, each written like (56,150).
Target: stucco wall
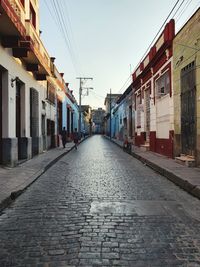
(15,68)
(186,49)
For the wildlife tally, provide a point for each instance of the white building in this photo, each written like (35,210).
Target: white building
(28,84)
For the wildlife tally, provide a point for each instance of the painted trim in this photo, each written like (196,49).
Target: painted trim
(13,17)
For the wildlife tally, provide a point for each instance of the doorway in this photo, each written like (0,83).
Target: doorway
(68,121)
(130,122)
(18,116)
(147,114)
(43,132)
(1,116)
(188,110)
(34,120)
(72,122)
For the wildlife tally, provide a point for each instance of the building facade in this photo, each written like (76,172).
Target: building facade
(153,92)
(109,119)
(30,106)
(86,120)
(186,80)
(97,118)
(124,116)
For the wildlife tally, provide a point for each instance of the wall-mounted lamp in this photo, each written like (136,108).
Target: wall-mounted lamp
(16,79)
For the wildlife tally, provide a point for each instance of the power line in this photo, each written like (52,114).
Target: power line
(161,27)
(67,39)
(178,8)
(60,23)
(155,37)
(183,10)
(67,31)
(67,16)
(126,83)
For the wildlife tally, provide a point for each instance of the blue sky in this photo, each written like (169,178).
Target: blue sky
(104,37)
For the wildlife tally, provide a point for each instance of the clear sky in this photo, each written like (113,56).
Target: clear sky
(104,39)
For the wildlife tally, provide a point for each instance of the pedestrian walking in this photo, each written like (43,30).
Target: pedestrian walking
(75,137)
(64,136)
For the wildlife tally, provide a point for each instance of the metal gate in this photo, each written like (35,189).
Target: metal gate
(147,113)
(0,116)
(18,117)
(34,120)
(188,109)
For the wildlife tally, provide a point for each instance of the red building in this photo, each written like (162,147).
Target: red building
(153,92)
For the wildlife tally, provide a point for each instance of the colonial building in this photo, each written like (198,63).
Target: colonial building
(124,119)
(110,102)
(86,120)
(186,80)
(97,118)
(71,112)
(30,105)
(153,92)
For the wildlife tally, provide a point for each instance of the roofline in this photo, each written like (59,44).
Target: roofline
(187,21)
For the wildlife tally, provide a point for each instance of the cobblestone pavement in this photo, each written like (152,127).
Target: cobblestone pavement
(98,206)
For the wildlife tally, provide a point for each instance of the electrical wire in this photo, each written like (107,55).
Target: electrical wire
(68,22)
(183,10)
(125,84)
(179,16)
(161,28)
(67,30)
(155,37)
(58,17)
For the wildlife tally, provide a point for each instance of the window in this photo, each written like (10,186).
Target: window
(51,93)
(120,119)
(138,109)
(22,1)
(32,16)
(163,85)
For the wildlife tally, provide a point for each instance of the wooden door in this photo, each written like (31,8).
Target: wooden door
(1,116)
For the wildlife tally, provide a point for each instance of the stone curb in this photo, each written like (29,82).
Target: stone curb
(176,179)
(8,200)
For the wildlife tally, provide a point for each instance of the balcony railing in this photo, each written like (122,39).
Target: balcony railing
(38,47)
(19,10)
(16,13)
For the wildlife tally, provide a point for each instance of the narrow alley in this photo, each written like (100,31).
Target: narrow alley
(98,206)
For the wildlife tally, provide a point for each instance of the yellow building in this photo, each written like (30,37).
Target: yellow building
(186,81)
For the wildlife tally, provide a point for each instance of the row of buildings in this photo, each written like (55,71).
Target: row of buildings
(35,101)
(160,109)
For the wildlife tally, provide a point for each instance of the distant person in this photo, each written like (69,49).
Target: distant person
(64,137)
(75,137)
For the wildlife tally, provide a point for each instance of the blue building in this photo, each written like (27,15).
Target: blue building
(123,116)
(70,114)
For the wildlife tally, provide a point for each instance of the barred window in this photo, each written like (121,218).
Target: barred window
(138,109)
(163,85)
(51,93)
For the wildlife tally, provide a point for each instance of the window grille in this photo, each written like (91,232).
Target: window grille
(138,103)
(163,85)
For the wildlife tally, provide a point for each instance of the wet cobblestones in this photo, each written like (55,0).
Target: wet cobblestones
(59,220)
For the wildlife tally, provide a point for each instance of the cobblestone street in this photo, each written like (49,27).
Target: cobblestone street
(98,206)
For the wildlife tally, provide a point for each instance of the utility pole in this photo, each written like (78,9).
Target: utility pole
(81,79)
(110,115)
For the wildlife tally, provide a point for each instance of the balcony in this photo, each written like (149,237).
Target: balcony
(12,18)
(20,35)
(37,54)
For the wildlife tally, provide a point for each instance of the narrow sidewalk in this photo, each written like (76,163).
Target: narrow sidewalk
(13,181)
(185,177)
